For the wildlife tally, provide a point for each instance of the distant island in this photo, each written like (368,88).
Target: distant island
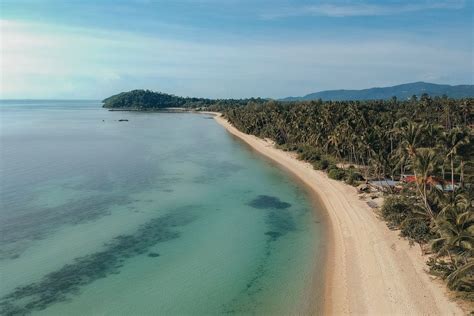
(151,100)
(402,92)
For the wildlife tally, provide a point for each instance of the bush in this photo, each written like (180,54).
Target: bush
(395,210)
(398,211)
(331,166)
(322,164)
(288,147)
(353,176)
(416,229)
(336,174)
(309,154)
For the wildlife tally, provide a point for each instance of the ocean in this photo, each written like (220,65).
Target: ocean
(165,213)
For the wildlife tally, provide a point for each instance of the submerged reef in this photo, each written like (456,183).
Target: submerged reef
(268,202)
(278,218)
(280,222)
(37,225)
(60,285)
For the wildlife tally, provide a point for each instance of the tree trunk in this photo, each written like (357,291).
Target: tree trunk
(452,175)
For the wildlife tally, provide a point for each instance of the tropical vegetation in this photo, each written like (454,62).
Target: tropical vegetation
(150,100)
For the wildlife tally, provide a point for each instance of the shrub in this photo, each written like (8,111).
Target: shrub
(400,212)
(287,147)
(336,174)
(321,164)
(353,176)
(417,229)
(395,210)
(309,154)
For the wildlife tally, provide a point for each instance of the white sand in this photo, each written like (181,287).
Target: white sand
(371,270)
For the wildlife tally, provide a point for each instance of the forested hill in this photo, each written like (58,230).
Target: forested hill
(150,100)
(402,92)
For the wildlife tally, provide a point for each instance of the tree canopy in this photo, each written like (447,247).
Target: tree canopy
(150,100)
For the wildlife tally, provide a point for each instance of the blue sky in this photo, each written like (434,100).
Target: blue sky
(230,48)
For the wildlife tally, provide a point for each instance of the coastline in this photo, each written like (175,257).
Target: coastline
(369,269)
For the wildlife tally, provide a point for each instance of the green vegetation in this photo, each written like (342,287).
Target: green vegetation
(150,100)
(430,139)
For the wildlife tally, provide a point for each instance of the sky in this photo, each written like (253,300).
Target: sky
(73,49)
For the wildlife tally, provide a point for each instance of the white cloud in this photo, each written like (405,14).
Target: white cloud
(361,9)
(44,61)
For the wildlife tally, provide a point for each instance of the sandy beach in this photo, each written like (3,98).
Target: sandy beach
(370,269)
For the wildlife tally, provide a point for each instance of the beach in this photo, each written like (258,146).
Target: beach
(370,269)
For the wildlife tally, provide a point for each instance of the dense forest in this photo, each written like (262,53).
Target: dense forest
(150,100)
(427,140)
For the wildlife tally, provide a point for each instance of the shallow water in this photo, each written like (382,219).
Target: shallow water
(166,213)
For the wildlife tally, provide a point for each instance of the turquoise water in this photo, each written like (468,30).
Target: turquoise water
(163,214)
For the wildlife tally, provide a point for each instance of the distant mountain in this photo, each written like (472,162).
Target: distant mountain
(402,92)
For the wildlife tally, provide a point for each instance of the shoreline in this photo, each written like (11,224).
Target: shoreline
(369,269)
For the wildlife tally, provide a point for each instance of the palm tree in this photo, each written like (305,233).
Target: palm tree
(465,154)
(410,136)
(425,163)
(455,233)
(455,227)
(454,139)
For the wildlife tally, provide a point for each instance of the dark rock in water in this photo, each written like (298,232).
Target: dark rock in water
(123,120)
(153,254)
(268,202)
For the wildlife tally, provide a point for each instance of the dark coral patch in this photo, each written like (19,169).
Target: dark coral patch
(273,235)
(268,202)
(61,284)
(37,225)
(281,221)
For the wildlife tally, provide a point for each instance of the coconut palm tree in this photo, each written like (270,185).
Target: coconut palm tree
(425,163)
(454,140)
(410,136)
(455,228)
